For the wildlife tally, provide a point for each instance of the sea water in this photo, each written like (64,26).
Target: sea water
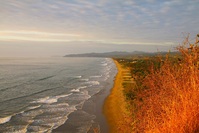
(38,94)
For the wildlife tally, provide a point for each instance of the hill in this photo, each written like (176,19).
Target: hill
(113,54)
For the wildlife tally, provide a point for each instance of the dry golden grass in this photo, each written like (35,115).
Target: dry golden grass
(170,102)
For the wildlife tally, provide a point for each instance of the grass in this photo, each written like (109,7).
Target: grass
(165,96)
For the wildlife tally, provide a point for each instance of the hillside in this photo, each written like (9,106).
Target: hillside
(164,94)
(114,54)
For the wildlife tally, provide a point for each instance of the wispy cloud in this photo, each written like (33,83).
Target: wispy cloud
(37,36)
(37,33)
(104,21)
(21,38)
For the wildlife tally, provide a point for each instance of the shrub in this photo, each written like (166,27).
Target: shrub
(170,102)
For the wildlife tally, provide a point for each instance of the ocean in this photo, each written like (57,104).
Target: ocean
(39,94)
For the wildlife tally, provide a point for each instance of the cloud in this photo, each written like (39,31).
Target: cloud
(37,36)
(21,38)
(37,33)
(139,21)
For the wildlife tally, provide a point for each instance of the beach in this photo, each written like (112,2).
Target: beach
(109,107)
(115,105)
(93,106)
(92,110)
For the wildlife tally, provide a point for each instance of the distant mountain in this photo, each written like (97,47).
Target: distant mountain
(108,54)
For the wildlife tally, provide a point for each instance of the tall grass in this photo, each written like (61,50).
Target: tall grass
(170,101)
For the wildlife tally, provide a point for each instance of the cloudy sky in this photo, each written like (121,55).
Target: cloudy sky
(59,27)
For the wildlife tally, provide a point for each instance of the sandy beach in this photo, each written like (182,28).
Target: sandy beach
(91,107)
(115,105)
(108,106)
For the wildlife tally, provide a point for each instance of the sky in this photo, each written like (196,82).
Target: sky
(59,27)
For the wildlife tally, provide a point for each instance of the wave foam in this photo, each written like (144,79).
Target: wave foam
(60,105)
(5,119)
(105,64)
(57,115)
(76,77)
(82,87)
(45,100)
(97,76)
(50,100)
(75,90)
(78,89)
(34,107)
(94,82)
(84,79)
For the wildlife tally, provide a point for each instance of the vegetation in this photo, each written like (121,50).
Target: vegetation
(165,94)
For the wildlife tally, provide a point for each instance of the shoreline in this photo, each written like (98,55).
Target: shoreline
(115,105)
(93,106)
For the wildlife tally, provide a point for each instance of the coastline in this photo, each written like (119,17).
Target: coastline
(115,105)
(93,106)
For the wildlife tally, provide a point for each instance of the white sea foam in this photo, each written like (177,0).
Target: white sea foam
(86,95)
(84,79)
(97,76)
(50,100)
(34,107)
(78,89)
(82,87)
(75,90)
(60,105)
(93,82)
(61,96)
(105,64)
(106,75)
(21,112)
(45,100)
(5,119)
(106,78)
(76,76)
(58,116)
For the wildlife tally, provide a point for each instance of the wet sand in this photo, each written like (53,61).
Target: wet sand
(93,106)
